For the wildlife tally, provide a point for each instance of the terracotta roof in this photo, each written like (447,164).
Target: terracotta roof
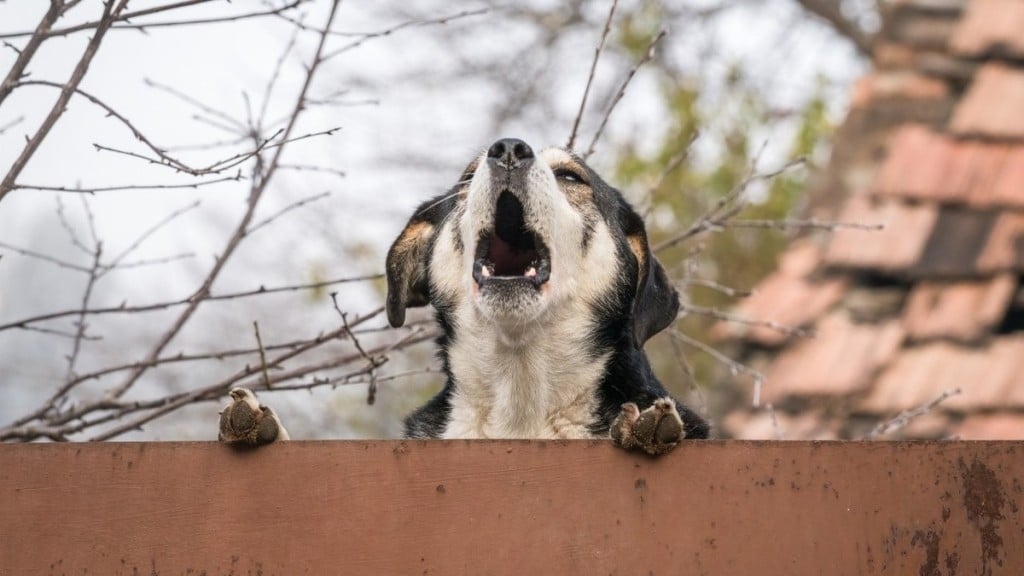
(992,427)
(963,311)
(780,426)
(987,376)
(898,85)
(924,164)
(840,359)
(1004,249)
(786,298)
(933,302)
(992,106)
(897,246)
(990,28)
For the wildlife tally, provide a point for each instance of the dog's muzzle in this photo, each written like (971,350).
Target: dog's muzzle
(510,253)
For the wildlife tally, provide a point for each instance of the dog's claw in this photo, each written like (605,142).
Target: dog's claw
(656,430)
(245,422)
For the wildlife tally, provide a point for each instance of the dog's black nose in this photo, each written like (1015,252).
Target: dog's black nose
(510,152)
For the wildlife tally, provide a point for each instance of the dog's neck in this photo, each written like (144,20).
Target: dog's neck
(527,381)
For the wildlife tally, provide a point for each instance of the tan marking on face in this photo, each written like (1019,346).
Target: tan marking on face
(579,194)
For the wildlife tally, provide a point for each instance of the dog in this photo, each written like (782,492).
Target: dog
(545,289)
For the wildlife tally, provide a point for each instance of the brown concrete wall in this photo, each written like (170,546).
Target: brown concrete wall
(539,508)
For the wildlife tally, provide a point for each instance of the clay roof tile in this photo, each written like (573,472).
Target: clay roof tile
(785,297)
(963,311)
(896,247)
(991,427)
(1004,248)
(840,359)
(992,107)
(925,165)
(990,27)
(988,377)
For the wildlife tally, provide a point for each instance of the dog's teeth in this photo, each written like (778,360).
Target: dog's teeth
(485,271)
(531,272)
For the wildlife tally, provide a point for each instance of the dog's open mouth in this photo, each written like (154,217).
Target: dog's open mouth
(511,252)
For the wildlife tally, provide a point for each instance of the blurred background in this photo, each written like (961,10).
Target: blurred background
(160,190)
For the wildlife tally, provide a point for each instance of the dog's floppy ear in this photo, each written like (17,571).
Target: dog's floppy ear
(407,260)
(657,301)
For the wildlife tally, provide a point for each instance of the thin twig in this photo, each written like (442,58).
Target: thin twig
(17,71)
(671,166)
(776,429)
(44,257)
(903,418)
(62,218)
(293,206)
(61,333)
(220,355)
(95,189)
(718,287)
(372,361)
(410,24)
(154,10)
(11,124)
(221,387)
(274,76)
(59,427)
(691,376)
(686,308)
(648,54)
(811,223)
(95,272)
(109,13)
(314,168)
(125,309)
(733,366)
(206,109)
(590,76)
(263,354)
(728,206)
(149,232)
(259,185)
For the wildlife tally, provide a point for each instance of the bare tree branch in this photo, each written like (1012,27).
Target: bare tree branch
(259,185)
(905,417)
(95,189)
(125,309)
(4,128)
(17,71)
(110,12)
(590,76)
(648,54)
(127,16)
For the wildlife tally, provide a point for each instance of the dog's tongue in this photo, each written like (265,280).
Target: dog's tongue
(508,261)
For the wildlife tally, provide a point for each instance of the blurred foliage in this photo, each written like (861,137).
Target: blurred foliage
(721,128)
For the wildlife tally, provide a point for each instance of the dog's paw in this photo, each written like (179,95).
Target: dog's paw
(246,422)
(656,430)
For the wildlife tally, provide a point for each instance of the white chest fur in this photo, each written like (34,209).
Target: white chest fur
(540,386)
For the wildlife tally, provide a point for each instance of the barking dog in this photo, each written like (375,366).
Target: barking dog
(546,291)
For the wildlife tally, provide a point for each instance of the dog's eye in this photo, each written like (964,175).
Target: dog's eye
(568,175)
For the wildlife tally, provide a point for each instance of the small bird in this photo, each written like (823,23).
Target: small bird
(246,422)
